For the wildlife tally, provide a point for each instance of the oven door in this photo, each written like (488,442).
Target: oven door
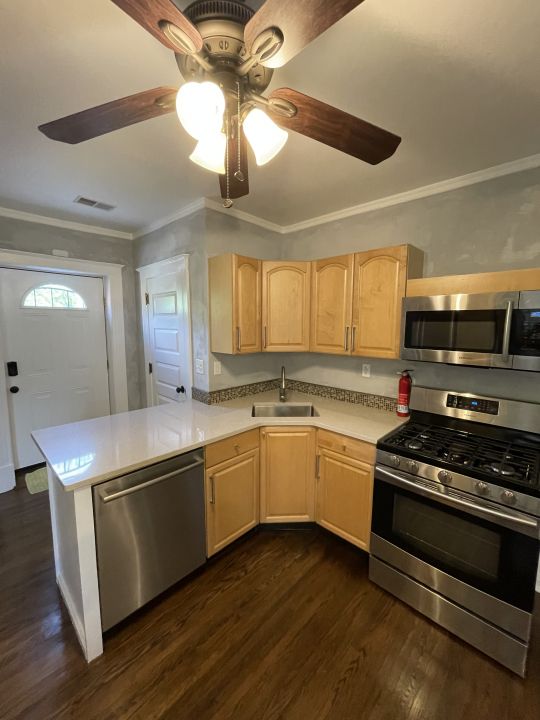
(476,552)
(525,339)
(459,329)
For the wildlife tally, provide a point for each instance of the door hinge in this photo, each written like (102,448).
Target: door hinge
(147,298)
(150,368)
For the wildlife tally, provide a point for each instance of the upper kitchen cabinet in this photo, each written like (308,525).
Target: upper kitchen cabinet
(286,305)
(380,279)
(331,304)
(235,304)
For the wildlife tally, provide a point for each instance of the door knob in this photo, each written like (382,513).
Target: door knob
(181,389)
(14,389)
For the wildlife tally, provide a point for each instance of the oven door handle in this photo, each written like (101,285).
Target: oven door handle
(529,526)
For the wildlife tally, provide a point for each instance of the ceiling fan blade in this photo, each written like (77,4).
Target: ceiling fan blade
(334,127)
(235,188)
(150,13)
(300,22)
(114,115)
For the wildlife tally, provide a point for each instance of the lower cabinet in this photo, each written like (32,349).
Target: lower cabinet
(344,496)
(287,474)
(232,499)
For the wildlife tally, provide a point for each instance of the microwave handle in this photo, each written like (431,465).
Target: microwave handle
(507,329)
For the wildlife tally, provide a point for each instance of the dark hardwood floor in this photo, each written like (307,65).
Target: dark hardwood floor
(284,626)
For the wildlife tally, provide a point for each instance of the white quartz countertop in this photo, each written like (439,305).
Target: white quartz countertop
(86,453)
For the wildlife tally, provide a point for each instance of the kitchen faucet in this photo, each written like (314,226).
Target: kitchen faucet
(282,387)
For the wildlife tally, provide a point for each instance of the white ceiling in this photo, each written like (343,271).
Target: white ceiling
(457,80)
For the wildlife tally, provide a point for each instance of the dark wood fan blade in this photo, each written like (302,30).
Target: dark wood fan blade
(114,115)
(149,14)
(300,22)
(336,128)
(235,188)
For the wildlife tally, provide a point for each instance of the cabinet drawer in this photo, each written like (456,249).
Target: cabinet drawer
(357,449)
(223,450)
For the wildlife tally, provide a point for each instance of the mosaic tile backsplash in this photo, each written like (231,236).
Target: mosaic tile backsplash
(214,397)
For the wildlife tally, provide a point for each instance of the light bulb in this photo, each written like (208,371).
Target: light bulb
(265,137)
(209,152)
(200,108)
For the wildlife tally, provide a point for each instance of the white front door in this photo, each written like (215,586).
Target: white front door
(52,329)
(168,341)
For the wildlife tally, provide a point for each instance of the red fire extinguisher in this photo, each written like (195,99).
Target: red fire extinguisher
(404,393)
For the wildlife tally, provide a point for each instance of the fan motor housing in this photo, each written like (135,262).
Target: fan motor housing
(221,24)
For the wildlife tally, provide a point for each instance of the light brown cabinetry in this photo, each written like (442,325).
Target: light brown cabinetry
(232,489)
(287,474)
(235,304)
(331,304)
(345,487)
(285,305)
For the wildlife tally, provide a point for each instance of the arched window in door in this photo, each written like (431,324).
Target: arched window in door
(56,297)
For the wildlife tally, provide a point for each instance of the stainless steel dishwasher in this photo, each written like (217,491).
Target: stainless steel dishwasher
(150,533)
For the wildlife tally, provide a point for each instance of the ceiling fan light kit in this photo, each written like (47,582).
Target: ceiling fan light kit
(227,54)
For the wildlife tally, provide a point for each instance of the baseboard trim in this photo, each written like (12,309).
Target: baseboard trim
(7,478)
(75,619)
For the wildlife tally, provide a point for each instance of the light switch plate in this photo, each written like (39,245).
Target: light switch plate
(217,367)
(366,370)
(199,366)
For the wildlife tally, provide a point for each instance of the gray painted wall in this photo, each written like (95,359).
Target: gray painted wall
(36,238)
(485,227)
(202,235)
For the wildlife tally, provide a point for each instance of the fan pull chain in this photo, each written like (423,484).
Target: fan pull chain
(228,203)
(239,175)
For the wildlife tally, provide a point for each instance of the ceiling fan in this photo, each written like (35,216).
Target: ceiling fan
(227,53)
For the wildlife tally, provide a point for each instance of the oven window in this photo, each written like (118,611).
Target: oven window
(453,541)
(460,330)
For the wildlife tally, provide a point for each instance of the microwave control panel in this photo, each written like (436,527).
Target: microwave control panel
(472,404)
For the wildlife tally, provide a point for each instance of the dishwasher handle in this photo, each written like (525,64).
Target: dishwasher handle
(149,483)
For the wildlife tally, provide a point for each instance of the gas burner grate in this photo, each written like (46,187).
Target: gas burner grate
(513,461)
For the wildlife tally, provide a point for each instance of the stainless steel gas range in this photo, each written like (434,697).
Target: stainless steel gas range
(456,517)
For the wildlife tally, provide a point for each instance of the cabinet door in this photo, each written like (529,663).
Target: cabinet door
(286,302)
(331,305)
(344,497)
(247,306)
(287,475)
(232,500)
(379,287)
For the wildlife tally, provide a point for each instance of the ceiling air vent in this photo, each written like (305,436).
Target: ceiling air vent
(96,204)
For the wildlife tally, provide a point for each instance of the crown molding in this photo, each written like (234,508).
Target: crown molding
(245,216)
(67,224)
(187,210)
(491,173)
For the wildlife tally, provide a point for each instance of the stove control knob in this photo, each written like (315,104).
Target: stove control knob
(444,476)
(413,466)
(508,497)
(395,460)
(482,488)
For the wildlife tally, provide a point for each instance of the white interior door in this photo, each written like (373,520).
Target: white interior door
(168,337)
(53,327)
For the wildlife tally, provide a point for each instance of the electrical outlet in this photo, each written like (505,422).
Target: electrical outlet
(366,370)
(199,366)
(217,367)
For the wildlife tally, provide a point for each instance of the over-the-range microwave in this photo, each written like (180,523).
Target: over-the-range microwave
(499,330)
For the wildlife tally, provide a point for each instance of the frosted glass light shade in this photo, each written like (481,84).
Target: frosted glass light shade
(264,136)
(200,108)
(209,152)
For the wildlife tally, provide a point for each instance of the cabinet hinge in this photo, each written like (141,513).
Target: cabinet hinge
(150,368)
(147,298)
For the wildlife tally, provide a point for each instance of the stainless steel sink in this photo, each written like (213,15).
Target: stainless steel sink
(283,410)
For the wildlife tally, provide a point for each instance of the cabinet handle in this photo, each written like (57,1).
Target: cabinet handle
(212,490)
(318,467)
(346,338)
(238,343)
(265,338)
(353,343)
